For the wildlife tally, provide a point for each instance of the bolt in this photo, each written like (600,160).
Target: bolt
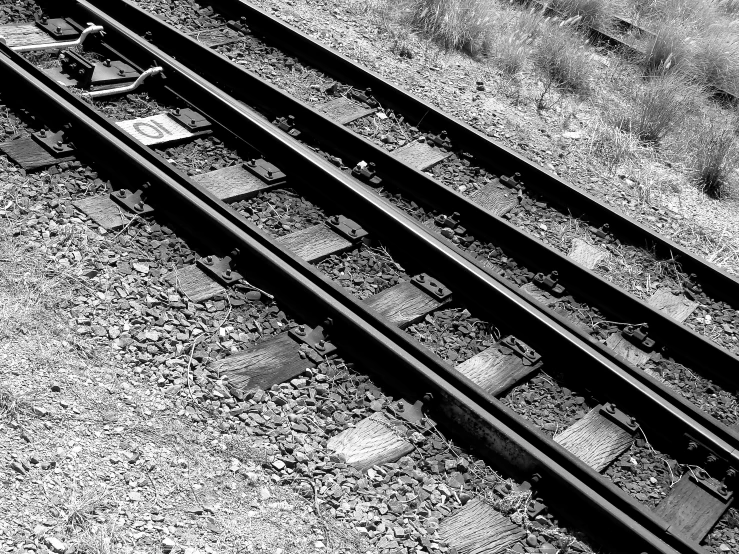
(516,176)
(372,165)
(269,173)
(42,133)
(401,407)
(555,274)
(58,29)
(692,446)
(44,19)
(730,473)
(421,278)
(300,330)
(121,72)
(106,63)
(723,489)
(701,474)
(209,260)
(227,274)
(710,459)
(252,162)
(321,345)
(368,90)
(443,134)
(353,231)
(632,421)
(428,397)
(121,193)
(291,120)
(192,122)
(440,290)
(139,206)
(611,408)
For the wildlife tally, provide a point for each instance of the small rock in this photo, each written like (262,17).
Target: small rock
(55,388)
(55,544)
(532,541)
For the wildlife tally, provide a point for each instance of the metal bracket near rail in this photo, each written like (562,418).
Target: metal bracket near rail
(366,172)
(190,119)
(638,337)
(92,29)
(710,485)
(521,349)
(431,286)
(549,283)
(133,201)
(628,423)
(54,143)
(239,25)
(365,97)
(511,182)
(267,172)
(220,268)
(410,412)
(701,454)
(287,124)
(602,232)
(57,27)
(346,227)
(315,338)
(441,140)
(126,89)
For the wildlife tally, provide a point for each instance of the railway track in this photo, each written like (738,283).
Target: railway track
(296,266)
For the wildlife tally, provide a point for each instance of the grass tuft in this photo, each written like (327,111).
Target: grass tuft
(11,407)
(670,49)
(560,54)
(654,107)
(714,156)
(590,12)
(715,61)
(455,24)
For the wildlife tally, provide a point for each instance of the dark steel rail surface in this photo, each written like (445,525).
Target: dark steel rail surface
(710,358)
(642,395)
(500,159)
(504,438)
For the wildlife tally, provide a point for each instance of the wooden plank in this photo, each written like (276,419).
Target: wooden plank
(691,510)
(677,307)
(478,528)
(403,304)
(419,155)
(315,243)
(265,364)
(195,284)
(373,441)
(496,198)
(497,369)
(157,129)
(539,294)
(233,183)
(103,211)
(626,350)
(29,154)
(24,34)
(595,439)
(587,255)
(343,111)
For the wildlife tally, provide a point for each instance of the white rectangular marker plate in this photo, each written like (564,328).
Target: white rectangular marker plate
(155,129)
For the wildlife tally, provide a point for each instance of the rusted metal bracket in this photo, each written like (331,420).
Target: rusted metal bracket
(133,201)
(521,349)
(190,119)
(710,485)
(315,338)
(220,268)
(410,412)
(54,143)
(266,171)
(610,411)
(57,27)
(366,172)
(365,97)
(287,124)
(512,182)
(441,140)
(431,286)
(549,283)
(346,227)
(638,337)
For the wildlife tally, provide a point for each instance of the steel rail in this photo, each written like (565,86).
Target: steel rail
(504,438)
(639,389)
(499,158)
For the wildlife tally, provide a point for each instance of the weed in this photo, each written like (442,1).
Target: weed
(82,504)
(454,24)
(715,60)
(714,153)
(655,106)
(561,55)
(611,146)
(670,48)
(590,12)
(11,407)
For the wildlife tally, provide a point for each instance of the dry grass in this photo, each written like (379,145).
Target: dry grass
(670,49)
(454,24)
(82,504)
(714,155)
(590,12)
(655,107)
(561,55)
(715,60)
(513,34)
(12,407)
